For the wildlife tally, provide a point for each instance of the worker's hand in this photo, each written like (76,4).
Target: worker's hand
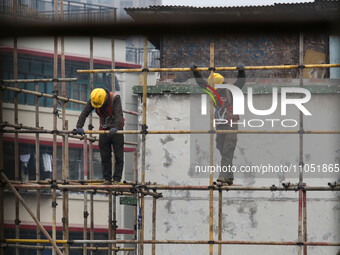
(113,131)
(80,131)
(193,67)
(240,66)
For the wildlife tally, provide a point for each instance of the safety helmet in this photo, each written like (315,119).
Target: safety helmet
(218,79)
(98,97)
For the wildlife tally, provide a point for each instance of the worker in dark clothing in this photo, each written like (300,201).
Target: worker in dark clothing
(109,109)
(225,143)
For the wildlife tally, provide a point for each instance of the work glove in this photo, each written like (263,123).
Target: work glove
(192,67)
(113,131)
(80,131)
(240,66)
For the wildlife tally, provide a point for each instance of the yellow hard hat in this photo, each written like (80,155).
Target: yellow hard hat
(98,97)
(218,79)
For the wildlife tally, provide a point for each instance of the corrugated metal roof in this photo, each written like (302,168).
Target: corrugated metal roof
(317,10)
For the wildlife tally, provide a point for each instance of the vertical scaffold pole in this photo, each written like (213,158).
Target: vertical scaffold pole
(220,221)
(37,163)
(154,207)
(55,112)
(304,221)
(135,178)
(114,206)
(85,196)
(2,212)
(65,155)
(16,136)
(145,81)
(110,222)
(211,136)
(91,150)
(301,164)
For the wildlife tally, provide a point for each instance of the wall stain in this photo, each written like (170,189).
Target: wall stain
(167,139)
(168,159)
(249,208)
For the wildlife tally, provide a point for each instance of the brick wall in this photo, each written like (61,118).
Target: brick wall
(252,50)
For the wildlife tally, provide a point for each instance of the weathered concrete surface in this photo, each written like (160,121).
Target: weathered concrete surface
(252,216)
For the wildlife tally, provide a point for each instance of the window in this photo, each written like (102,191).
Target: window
(27,161)
(36,67)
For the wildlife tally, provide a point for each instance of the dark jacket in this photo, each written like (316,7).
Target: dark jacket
(106,121)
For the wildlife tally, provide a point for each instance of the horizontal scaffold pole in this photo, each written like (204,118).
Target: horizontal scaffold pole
(138,187)
(160,132)
(186,69)
(64,99)
(289,243)
(40,80)
(41,247)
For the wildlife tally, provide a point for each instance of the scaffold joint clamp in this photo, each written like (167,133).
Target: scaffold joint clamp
(212,69)
(144,130)
(273,188)
(145,69)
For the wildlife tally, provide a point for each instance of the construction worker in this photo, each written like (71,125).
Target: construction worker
(225,143)
(109,109)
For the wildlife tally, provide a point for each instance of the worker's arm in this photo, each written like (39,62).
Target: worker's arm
(118,113)
(86,111)
(241,76)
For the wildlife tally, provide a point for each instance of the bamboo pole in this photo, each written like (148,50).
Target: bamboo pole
(17,195)
(211,155)
(114,221)
(65,99)
(37,163)
(186,69)
(279,243)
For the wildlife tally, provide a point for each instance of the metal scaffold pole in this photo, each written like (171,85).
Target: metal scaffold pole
(225,68)
(37,164)
(91,151)
(211,154)
(144,129)
(300,225)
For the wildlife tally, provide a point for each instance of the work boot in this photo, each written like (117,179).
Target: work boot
(225,181)
(115,183)
(106,182)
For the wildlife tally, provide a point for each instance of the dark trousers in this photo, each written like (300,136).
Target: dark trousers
(106,142)
(226,144)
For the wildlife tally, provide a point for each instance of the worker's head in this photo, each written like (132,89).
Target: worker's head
(98,97)
(218,79)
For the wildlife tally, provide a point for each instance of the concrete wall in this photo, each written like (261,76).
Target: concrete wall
(252,216)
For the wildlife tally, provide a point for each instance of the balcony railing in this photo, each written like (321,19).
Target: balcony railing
(44,10)
(136,55)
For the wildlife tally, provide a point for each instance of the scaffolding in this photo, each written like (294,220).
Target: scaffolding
(139,187)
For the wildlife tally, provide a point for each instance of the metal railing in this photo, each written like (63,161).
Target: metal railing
(44,10)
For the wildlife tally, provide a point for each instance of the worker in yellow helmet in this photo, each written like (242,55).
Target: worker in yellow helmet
(109,109)
(225,143)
